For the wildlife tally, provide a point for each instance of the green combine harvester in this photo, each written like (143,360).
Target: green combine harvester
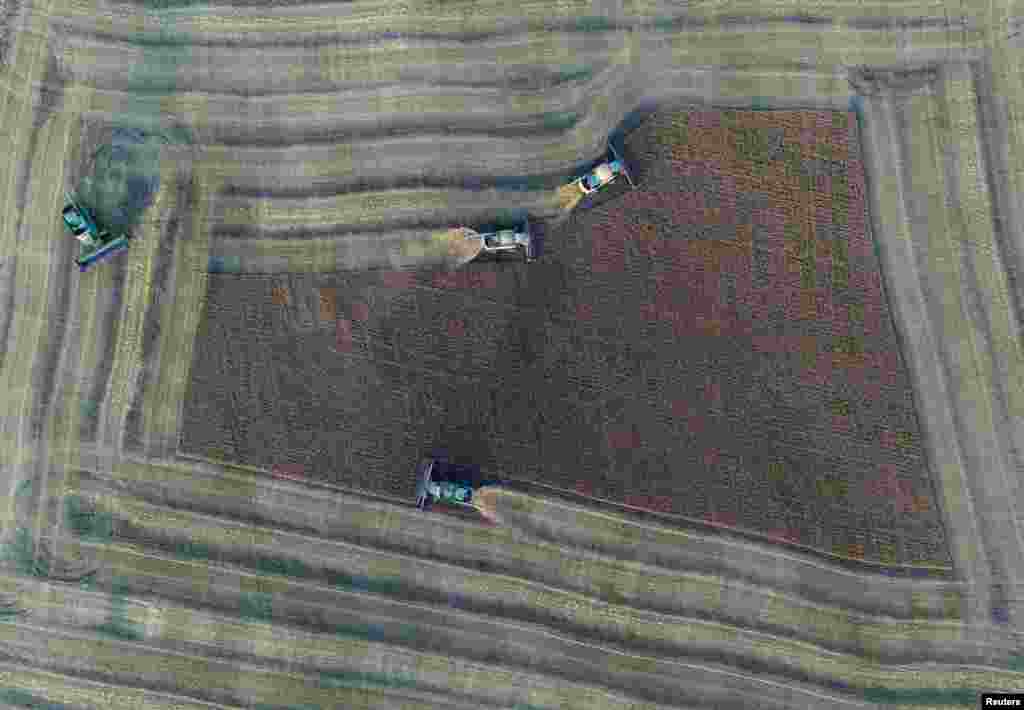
(95,243)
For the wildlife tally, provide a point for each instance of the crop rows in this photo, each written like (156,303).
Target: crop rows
(473,546)
(368,17)
(359,209)
(490,363)
(294,506)
(851,671)
(705,291)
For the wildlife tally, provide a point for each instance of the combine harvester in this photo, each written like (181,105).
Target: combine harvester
(510,241)
(461,245)
(95,243)
(602,175)
(440,481)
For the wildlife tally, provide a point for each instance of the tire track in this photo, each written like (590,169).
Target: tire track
(995,146)
(985,288)
(364,114)
(173,235)
(927,370)
(147,665)
(163,146)
(965,371)
(71,689)
(184,312)
(403,628)
(509,61)
(607,582)
(370,212)
(305,509)
(45,361)
(95,657)
(472,18)
(182,587)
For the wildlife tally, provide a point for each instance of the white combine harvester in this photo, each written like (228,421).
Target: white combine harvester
(468,245)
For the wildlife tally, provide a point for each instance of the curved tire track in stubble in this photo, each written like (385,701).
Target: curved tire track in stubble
(50,96)
(515,155)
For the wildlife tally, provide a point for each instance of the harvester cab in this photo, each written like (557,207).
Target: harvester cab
(605,173)
(511,240)
(77,220)
(95,243)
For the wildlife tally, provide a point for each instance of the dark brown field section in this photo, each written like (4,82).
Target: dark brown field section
(715,344)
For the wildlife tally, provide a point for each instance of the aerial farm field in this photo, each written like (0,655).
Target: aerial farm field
(714,345)
(757,423)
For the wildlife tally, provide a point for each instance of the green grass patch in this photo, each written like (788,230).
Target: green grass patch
(256,606)
(22,551)
(359,679)
(119,629)
(224,265)
(560,120)
(22,698)
(283,566)
(118,625)
(578,72)
(665,24)
(83,518)
(191,550)
(365,584)
(593,23)
(24,489)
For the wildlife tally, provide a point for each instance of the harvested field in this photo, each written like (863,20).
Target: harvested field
(695,549)
(737,290)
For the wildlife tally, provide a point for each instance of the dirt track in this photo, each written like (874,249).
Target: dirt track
(104,357)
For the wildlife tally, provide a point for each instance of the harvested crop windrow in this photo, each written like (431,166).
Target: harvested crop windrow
(637,589)
(355,519)
(42,328)
(361,18)
(514,58)
(429,672)
(366,209)
(211,679)
(389,60)
(363,107)
(39,686)
(527,601)
(987,271)
(398,251)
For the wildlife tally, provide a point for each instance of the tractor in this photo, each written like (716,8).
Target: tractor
(95,243)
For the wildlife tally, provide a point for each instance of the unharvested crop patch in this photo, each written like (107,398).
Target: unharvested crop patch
(738,360)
